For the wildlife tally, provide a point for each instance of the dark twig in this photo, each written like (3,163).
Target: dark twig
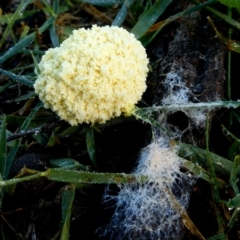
(41,129)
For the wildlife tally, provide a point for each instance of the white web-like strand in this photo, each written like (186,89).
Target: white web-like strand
(145,211)
(177,93)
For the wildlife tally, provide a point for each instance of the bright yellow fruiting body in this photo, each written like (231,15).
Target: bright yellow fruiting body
(96,74)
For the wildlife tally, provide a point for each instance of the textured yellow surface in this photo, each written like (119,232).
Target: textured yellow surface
(96,74)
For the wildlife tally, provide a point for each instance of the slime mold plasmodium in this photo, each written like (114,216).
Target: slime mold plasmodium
(96,74)
(147,211)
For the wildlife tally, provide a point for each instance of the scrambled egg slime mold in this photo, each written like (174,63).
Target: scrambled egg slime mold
(96,74)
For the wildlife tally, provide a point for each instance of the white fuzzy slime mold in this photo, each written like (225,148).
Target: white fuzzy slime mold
(177,93)
(146,211)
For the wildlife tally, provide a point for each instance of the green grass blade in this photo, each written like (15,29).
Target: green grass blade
(3,146)
(30,117)
(234,174)
(10,157)
(231,3)
(234,217)
(67,163)
(38,52)
(229,64)
(198,155)
(14,181)
(2,191)
(36,122)
(31,94)
(148,39)
(18,47)
(4,87)
(119,19)
(215,187)
(54,36)
(70,130)
(41,138)
(48,7)
(91,145)
(220,236)
(201,105)
(200,172)
(67,202)
(17,78)
(2,231)
(24,67)
(150,17)
(18,120)
(35,63)
(210,163)
(227,132)
(56,6)
(223,16)
(20,9)
(13,151)
(4,19)
(234,202)
(76,177)
(52,140)
(103,3)
(24,32)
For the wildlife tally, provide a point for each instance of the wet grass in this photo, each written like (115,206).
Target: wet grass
(27,30)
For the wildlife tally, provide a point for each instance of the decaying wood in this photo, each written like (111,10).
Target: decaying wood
(191,50)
